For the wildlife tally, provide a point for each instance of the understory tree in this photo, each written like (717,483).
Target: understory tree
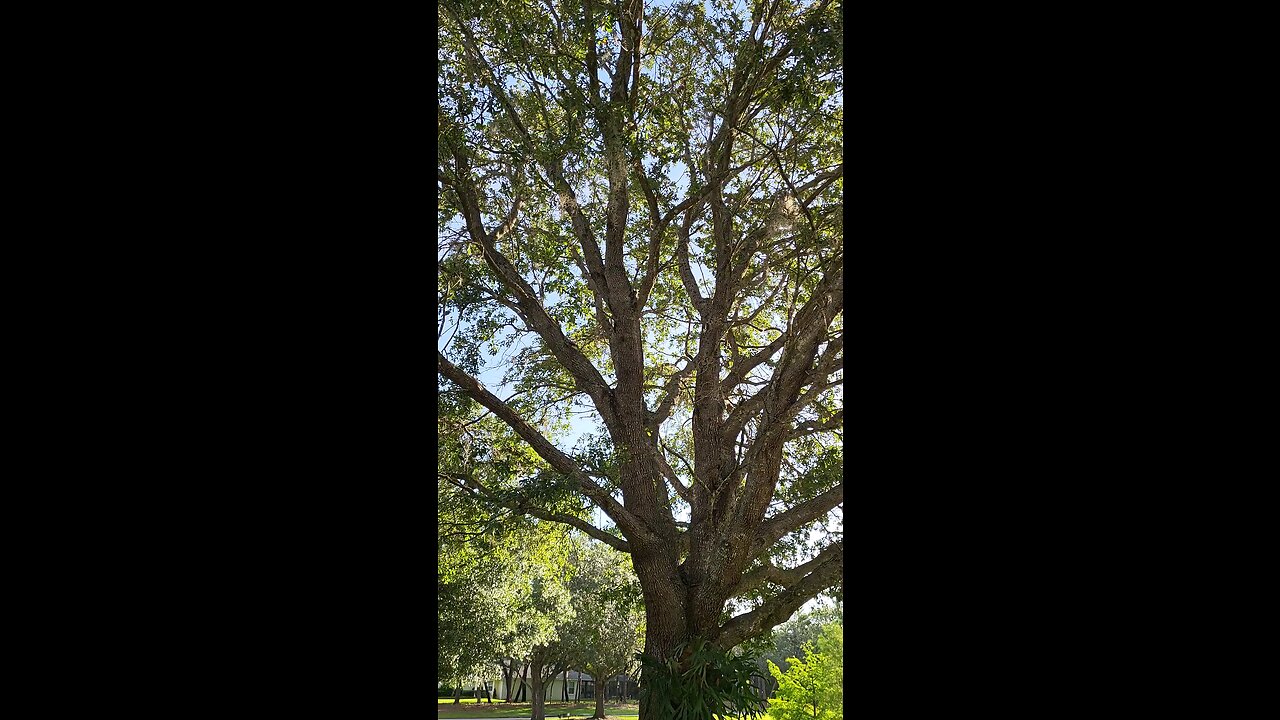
(502,578)
(553,655)
(608,627)
(812,688)
(788,639)
(641,234)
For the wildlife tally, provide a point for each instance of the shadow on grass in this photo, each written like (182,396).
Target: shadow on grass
(571,711)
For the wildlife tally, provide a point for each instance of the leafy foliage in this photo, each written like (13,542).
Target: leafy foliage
(812,688)
(788,639)
(501,577)
(608,627)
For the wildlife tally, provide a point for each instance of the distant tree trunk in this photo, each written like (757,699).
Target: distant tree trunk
(508,669)
(524,682)
(488,693)
(537,695)
(564,687)
(771,686)
(602,689)
(457,691)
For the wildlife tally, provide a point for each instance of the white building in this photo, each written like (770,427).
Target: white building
(577,686)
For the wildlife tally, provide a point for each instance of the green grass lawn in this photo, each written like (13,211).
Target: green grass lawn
(469,708)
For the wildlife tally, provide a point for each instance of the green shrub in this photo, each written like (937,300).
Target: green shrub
(813,688)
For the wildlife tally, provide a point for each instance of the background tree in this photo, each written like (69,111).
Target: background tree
(473,600)
(463,643)
(502,577)
(510,667)
(608,629)
(641,210)
(831,647)
(812,687)
(788,639)
(552,654)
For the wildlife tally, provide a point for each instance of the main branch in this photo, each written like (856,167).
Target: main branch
(806,512)
(558,460)
(778,608)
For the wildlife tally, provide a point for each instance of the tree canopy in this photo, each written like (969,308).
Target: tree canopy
(640,233)
(608,626)
(501,579)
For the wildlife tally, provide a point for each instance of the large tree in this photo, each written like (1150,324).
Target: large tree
(640,208)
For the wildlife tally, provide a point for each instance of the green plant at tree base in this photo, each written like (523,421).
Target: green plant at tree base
(700,682)
(812,688)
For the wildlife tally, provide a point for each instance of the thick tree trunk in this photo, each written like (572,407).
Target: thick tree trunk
(599,699)
(564,687)
(457,691)
(507,672)
(524,683)
(677,612)
(666,621)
